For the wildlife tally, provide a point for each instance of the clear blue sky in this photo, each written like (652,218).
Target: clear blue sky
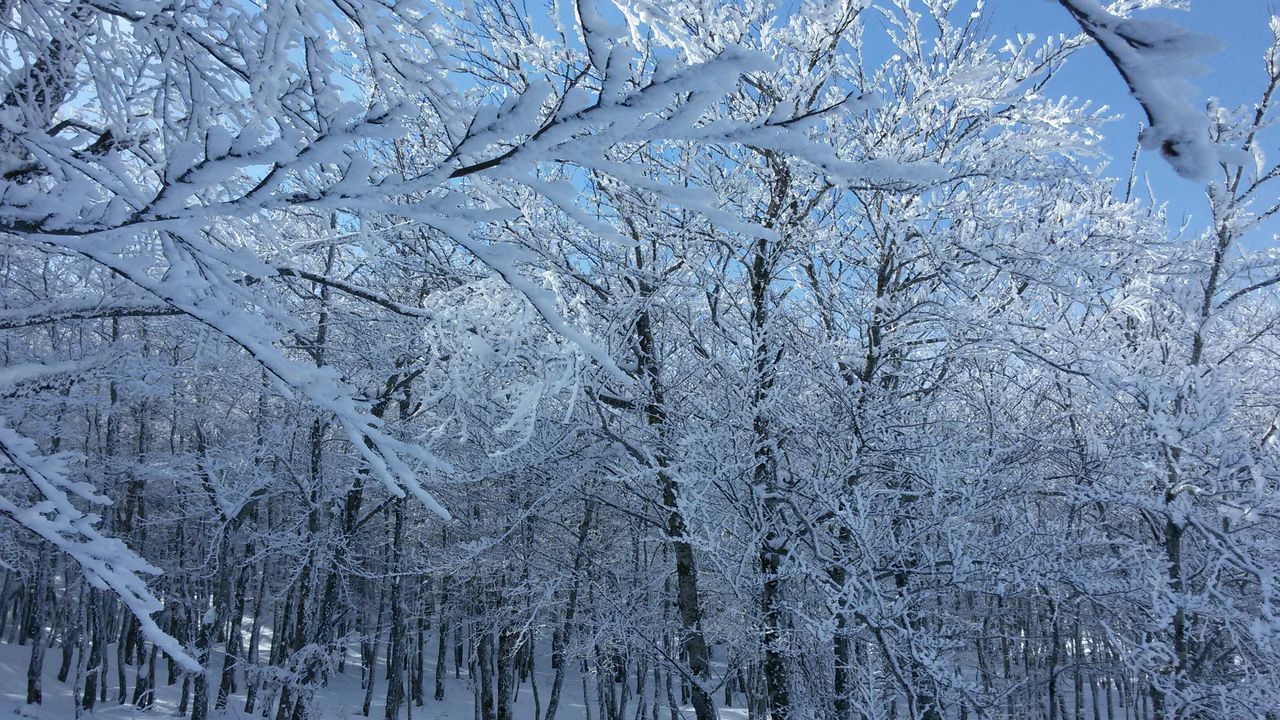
(1235,75)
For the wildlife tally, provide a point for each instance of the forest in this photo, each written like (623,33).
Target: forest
(633,360)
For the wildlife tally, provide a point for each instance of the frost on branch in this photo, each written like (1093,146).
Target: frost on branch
(730,351)
(162,148)
(1156,59)
(107,562)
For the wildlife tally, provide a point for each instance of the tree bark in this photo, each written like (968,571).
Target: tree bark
(35,630)
(396,641)
(558,660)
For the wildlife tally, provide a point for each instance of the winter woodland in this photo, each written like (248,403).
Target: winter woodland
(630,360)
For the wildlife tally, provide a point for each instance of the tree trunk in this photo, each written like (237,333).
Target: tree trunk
(144,693)
(255,636)
(558,660)
(94,634)
(370,652)
(200,681)
(35,624)
(508,642)
(420,659)
(396,641)
(648,367)
(235,639)
(484,679)
(441,639)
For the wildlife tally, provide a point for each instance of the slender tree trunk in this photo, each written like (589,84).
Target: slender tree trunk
(648,367)
(122,657)
(144,693)
(484,662)
(558,660)
(70,640)
(235,638)
(200,681)
(35,630)
(458,650)
(94,635)
(1055,642)
(396,641)
(371,652)
(508,642)
(255,636)
(420,658)
(82,640)
(761,269)
(441,637)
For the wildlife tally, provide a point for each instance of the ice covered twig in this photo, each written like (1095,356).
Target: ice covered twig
(1156,58)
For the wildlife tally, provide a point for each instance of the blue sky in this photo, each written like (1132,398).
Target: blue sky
(1235,75)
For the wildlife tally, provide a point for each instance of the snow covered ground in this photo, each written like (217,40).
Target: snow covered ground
(341,700)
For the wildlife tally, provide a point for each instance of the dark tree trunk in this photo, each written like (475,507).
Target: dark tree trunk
(565,631)
(508,642)
(34,622)
(94,634)
(144,683)
(441,640)
(396,642)
(235,639)
(484,663)
(420,659)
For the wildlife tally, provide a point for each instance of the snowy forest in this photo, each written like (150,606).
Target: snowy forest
(633,360)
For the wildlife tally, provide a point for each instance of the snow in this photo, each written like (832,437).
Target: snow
(1157,59)
(107,562)
(340,700)
(715,273)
